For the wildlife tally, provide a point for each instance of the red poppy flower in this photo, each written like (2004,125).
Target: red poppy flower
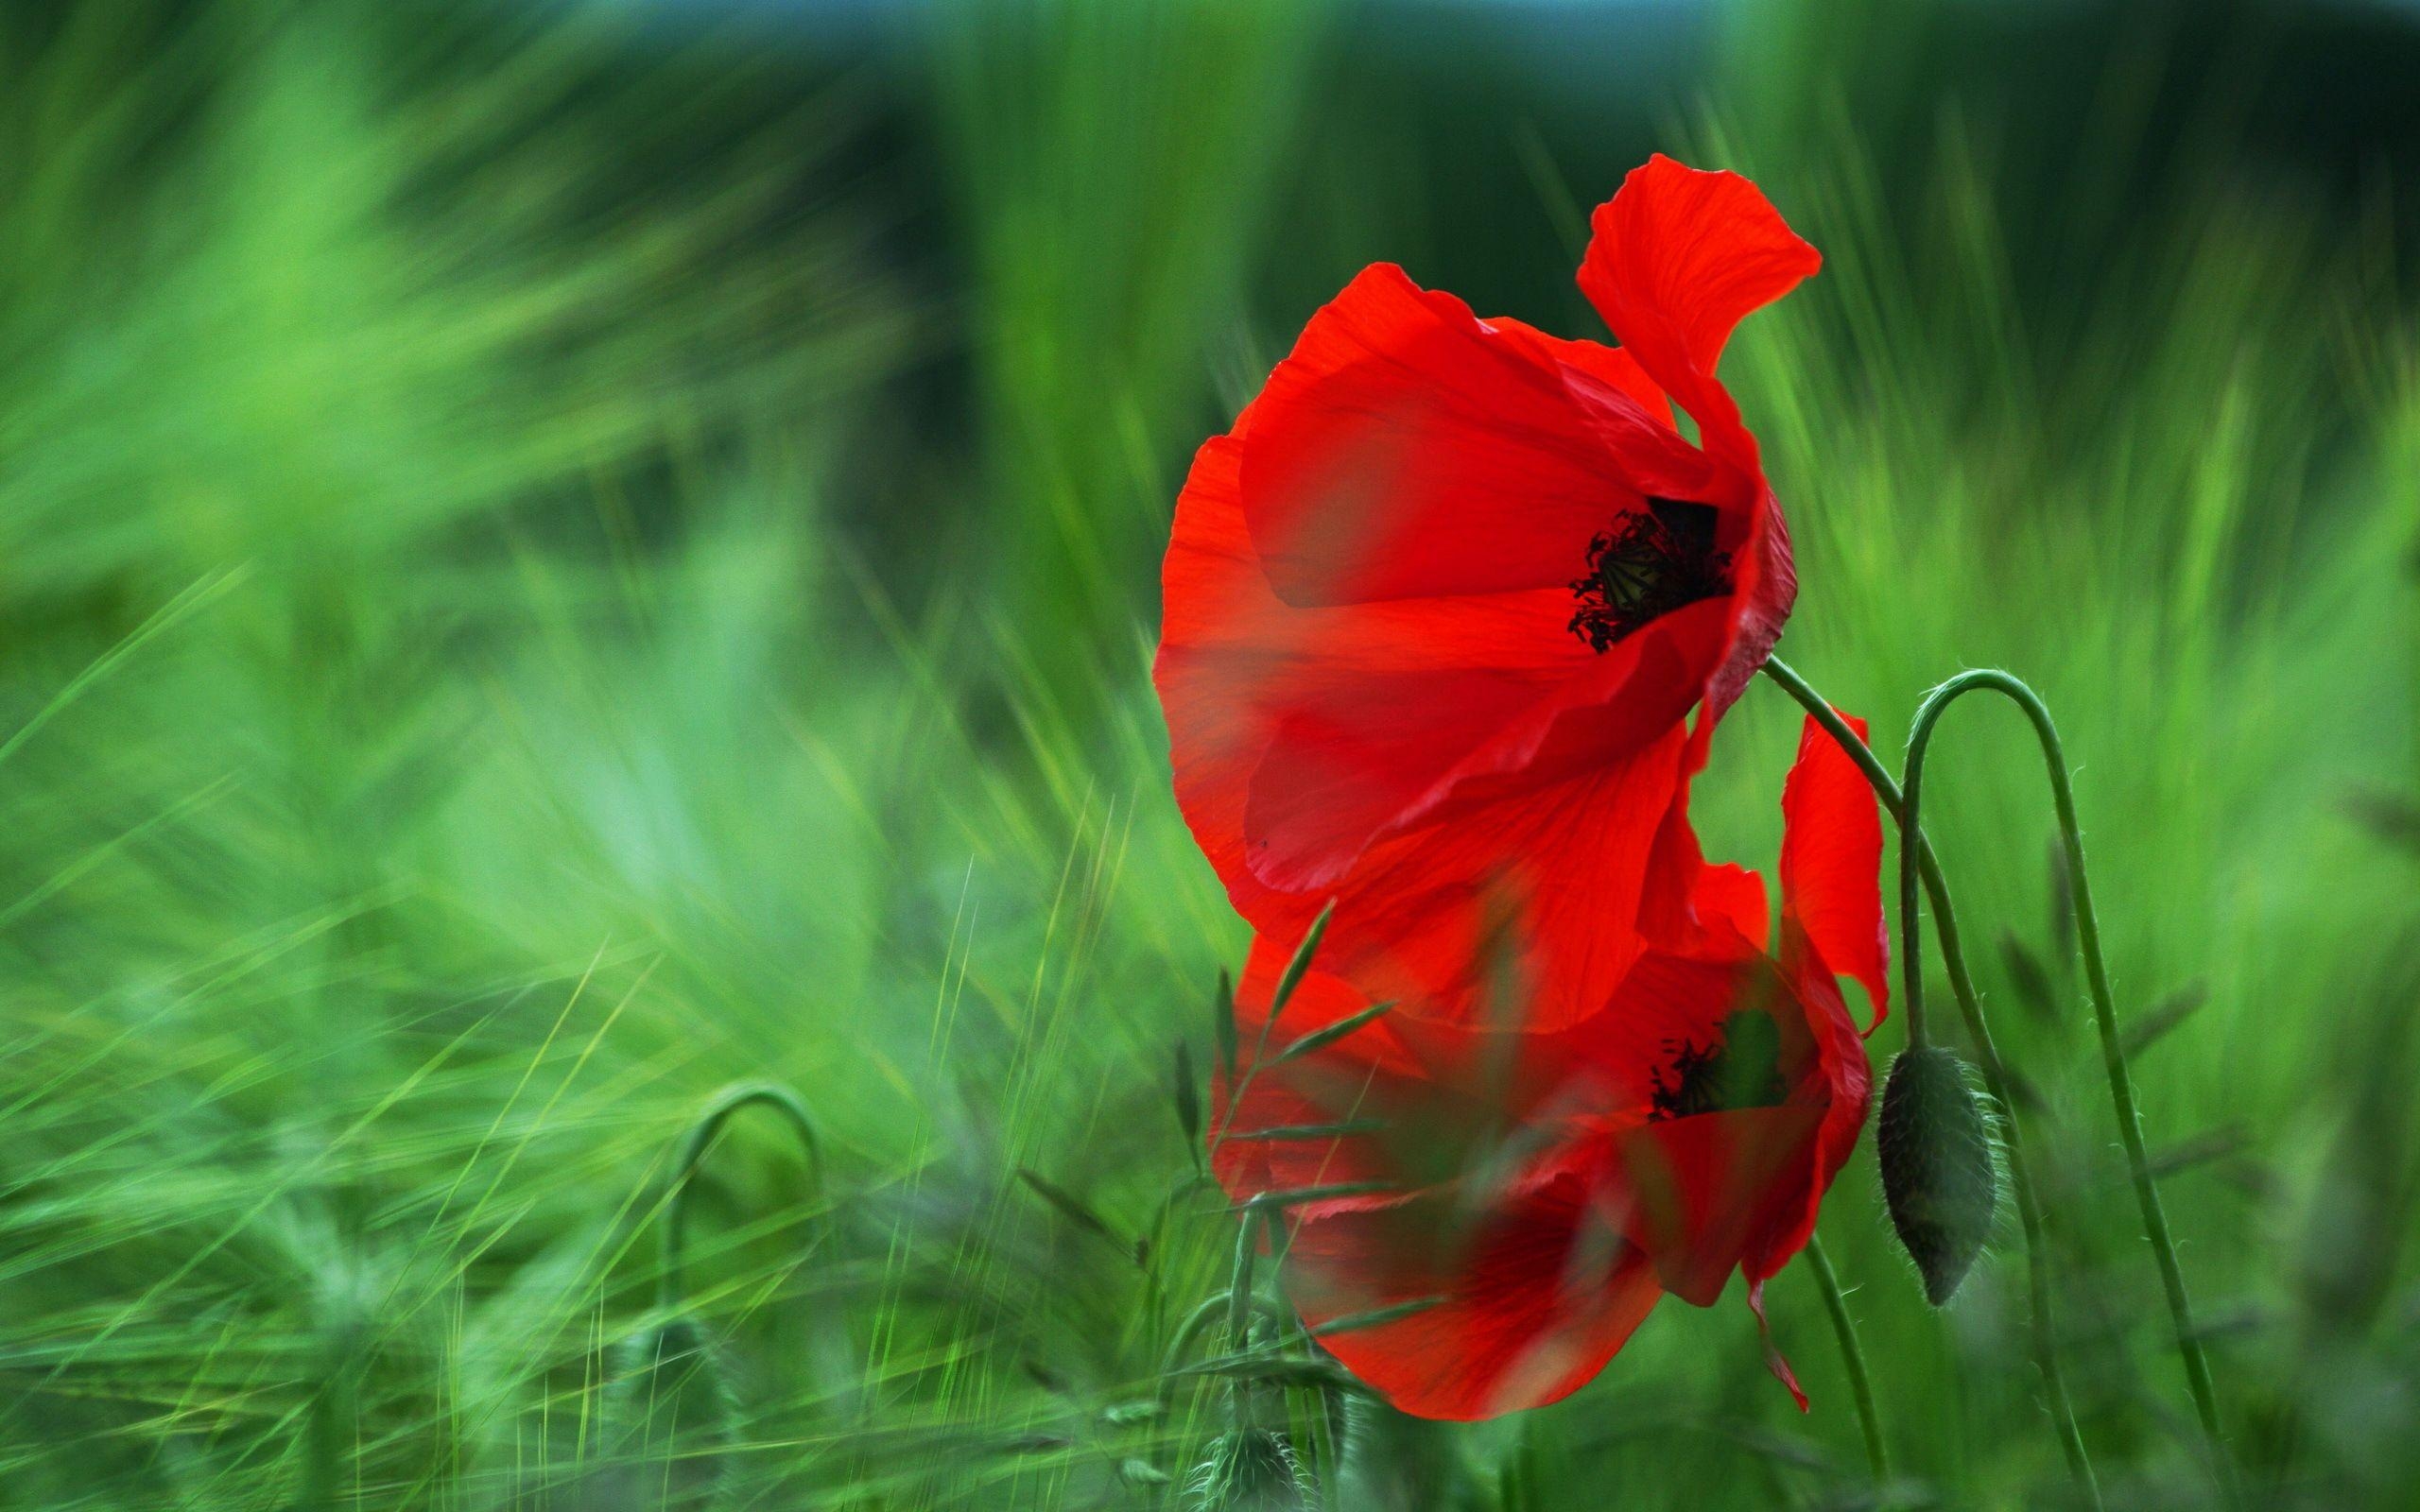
(1542,1190)
(1438,604)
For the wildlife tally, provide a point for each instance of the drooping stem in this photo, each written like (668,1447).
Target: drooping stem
(1995,1078)
(1911,955)
(671,1284)
(2112,1048)
(1878,1454)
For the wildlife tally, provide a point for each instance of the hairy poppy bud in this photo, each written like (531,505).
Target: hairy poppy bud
(1250,1470)
(1939,1172)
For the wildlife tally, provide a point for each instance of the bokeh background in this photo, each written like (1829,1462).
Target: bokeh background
(557,557)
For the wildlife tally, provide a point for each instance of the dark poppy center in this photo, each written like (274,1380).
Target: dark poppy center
(1657,559)
(1741,1067)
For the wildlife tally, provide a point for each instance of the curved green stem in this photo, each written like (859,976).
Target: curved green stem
(672,1282)
(2113,1049)
(1878,1454)
(1961,985)
(1210,1309)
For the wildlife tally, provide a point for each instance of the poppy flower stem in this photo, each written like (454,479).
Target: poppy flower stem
(671,1279)
(1962,984)
(2113,1049)
(1878,1454)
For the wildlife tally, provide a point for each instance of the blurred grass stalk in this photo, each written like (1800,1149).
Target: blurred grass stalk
(1114,167)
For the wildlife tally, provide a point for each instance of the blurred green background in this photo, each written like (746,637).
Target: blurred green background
(557,557)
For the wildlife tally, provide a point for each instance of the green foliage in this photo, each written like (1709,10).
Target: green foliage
(521,606)
(669,1411)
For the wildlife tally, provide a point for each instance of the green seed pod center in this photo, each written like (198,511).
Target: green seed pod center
(1741,1068)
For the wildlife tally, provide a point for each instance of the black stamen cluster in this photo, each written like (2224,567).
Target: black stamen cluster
(1658,560)
(1740,1069)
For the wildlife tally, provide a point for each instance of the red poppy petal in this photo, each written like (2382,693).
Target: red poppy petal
(1359,720)
(1633,415)
(1667,1000)
(1767,587)
(1728,902)
(1659,463)
(1840,1085)
(1831,862)
(1677,258)
(1353,753)
(1774,1359)
(1694,908)
(1545,827)
(1217,618)
(1362,754)
(1301,736)
(1840,1059)
(1403,1098)
(1357,1079)
(1616,367)
(1407,449)
(1541,888)
(1235,665)
(1533,1287)
(1401,1102)
(1710,1191)
(1538,1293)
